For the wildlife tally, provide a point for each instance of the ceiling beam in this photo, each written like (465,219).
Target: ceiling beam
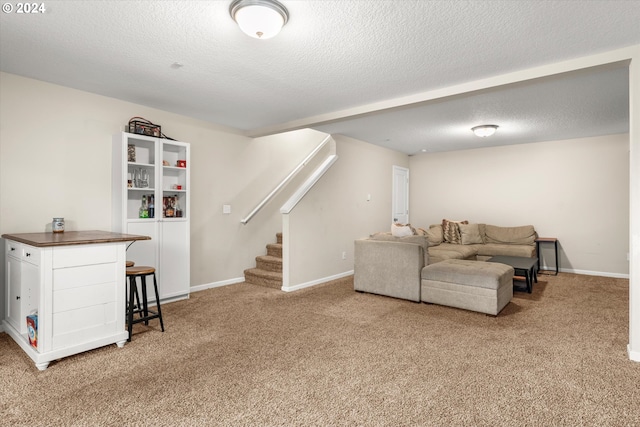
(618,57)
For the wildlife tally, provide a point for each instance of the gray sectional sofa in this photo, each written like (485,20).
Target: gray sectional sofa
(393,266)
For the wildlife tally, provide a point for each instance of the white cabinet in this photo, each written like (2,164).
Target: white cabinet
(76,290)
(157,170)
(23,274)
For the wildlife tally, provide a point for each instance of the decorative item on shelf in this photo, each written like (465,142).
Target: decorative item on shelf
(165,163)
(57,225)
(181,163)
(176,187)
(178,209)
(131,153)
(152,208)
(169,207)
(144,208)
(141,178)
(144,128)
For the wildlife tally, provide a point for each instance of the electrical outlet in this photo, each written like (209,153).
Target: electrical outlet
(344,255)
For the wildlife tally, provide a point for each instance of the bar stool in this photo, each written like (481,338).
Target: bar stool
(145,314)
(137,306)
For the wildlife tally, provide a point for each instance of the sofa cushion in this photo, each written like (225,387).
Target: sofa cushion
(415,240)
(469,273)
(494,249)
(451,231)
(451,251)
(523,235)
(434,234)
(470,234)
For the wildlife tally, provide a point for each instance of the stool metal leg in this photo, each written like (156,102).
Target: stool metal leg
(145,303)
(132,288)
(155,287)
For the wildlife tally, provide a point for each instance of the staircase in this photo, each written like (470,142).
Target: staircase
(268,271)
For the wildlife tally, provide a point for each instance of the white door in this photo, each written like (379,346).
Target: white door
(400,196)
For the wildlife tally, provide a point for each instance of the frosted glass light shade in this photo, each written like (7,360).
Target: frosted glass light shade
(261,19)
(484,131)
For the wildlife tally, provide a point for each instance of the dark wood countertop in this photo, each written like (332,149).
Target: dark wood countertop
(66,238)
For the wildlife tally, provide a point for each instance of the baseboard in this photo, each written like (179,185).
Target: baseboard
(317,282)
(587,272)
(633,355)
(217,284)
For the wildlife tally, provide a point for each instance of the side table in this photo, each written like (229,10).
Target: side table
(555,248)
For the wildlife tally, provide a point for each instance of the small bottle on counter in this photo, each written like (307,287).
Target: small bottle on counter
(57,226)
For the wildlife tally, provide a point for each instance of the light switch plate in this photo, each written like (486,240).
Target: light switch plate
(226,209)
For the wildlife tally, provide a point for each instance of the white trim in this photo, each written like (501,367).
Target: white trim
(217,284)
(317,281)
(306,186)
(546,269)
(633,355)
(585,272)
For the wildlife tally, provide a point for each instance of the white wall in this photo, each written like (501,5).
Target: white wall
(55,160)
(336,211)
(576,190)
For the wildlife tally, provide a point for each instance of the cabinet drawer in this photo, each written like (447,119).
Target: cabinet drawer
(13,249)
(73,256)
(30,254)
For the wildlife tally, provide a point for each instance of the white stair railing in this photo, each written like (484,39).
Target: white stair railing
(286,180)
(306,186)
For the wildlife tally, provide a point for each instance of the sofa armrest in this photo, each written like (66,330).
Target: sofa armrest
(388,268)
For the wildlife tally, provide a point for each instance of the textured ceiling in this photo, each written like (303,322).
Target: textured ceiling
(338,55)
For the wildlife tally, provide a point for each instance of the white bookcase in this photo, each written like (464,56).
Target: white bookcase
(158,168)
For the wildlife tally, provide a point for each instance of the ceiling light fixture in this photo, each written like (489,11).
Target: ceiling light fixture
(261,19)
(484,131)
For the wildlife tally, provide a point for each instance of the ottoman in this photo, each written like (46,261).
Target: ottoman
(486,287)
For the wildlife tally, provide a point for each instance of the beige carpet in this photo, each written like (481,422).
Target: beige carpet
(245,355)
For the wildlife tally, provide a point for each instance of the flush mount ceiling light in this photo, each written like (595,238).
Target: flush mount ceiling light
(261,19)
(484,130)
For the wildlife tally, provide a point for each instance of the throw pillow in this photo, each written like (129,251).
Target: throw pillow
(402,230)
(470,234)
(451,231)
(434,235)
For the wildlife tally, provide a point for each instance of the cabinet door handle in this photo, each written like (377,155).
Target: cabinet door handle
(18,297)
(13,249)
(28,254)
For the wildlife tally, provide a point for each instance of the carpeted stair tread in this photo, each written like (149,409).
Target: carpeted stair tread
(274,249)
(258,276)
(269,263)
(268,271)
